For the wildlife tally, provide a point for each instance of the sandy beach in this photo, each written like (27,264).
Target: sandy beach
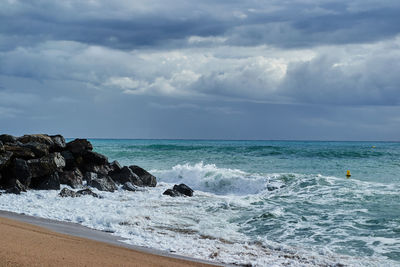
(24,244)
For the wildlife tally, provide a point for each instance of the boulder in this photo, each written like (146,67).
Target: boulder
(172,193)
(58,143)
(8,139)
(72,178)
(128,186)
(1,147)
(38,149)
(99,169)
(65,192)
(91,157)
(22,172)
(183,189)
(102,183)
(126,175)
(69,159)
(87,191)
(79,146)
(50,182)
(16,189)
(36,138)
(19,151)
(115,166)
(46,165)
(146,177)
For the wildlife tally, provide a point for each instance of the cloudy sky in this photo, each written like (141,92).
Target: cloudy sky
(238,69)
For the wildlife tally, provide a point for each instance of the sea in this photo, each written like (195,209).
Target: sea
(255,203)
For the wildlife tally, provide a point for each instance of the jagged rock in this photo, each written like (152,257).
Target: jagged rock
(95,158)
(38,149)
(20,151)
(183,189)
(36,138)
(22,172)
(5,159)
(59,143)
(16,189)
(1,147)
(115,166)
(65,192)
(72,178)
(146,177)
(79,146)
(102,183)
(126,175)
(87,191)
(128,186)
(8,139)
(46,165)
(99,169)
(50,182)
(69,160)
(172,193)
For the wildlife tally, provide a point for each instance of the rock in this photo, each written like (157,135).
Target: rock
(128,186)
(5,159)
(115,166)
(172,193)
(20,151)
(99,169)
(36,138)
(65,192)
(16,189)
(87,191)
(147,178)
(22,172)
(79,146)
(51,182)
(126,175)
(72,178)
(46,165)
(59,143)
(8,139)
(69,160)
(38,149)
(183,189)
(102,183)
(1,147)
(95,158)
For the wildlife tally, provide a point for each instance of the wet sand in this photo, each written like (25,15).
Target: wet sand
(26,244)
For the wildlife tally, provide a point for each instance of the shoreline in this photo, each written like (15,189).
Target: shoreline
(75,236)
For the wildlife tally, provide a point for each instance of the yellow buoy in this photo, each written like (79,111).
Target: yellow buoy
(348,174)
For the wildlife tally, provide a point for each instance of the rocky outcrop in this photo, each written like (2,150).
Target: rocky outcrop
(43,162)
(179,190)
(65,192)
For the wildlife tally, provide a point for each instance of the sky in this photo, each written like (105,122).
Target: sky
(238,69)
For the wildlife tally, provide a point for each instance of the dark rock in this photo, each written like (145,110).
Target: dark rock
(51,182)
(102,183)
(16,189)
(72,178)
(126,175)
(8,139)
(22,172)
(147,178)
(59,143)
(1,147)
(172,193)
(87,191)
(65,192)
(79,146)
(128,186)
(37,138)
(115,166)
(46,165)
(69,160)
(183,189)
(20,151)
(5,159)
(99,169)
(95,158)
(38,149)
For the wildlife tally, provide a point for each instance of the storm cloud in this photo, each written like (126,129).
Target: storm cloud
(189,69)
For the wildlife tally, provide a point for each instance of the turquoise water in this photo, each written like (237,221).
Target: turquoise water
(296,193)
